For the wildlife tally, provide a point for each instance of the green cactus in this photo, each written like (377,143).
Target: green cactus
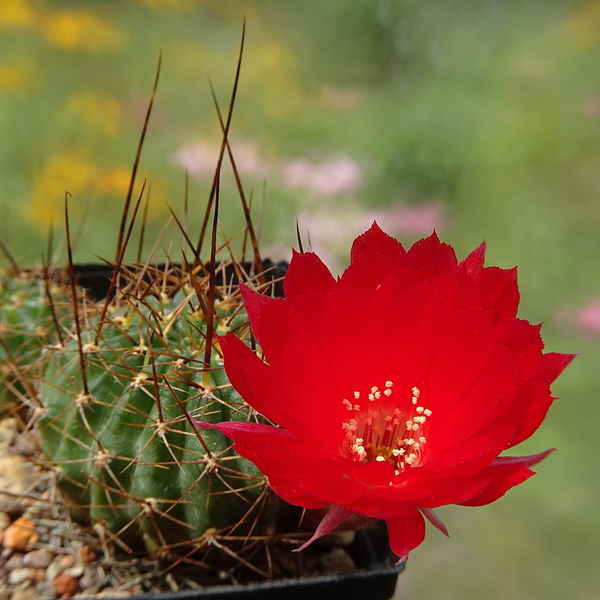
(27,325)
(113,425)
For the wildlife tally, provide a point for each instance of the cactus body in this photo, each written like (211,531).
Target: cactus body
(127,456)
(26,326)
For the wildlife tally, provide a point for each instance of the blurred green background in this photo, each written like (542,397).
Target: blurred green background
(480,118)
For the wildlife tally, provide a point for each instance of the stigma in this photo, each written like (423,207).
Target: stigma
(379,430)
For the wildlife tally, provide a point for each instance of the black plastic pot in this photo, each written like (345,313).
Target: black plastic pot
(375,579)
(96,278)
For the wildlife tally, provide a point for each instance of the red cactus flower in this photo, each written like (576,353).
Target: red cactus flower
(394,387)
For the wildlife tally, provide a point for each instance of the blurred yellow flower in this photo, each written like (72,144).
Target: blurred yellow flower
(99,112)
(157,191)
(113,181)
(80,29)
(584,27)
(73,171)
(165,5)
(17,76)
(229,9)
(16,14)
(273,69)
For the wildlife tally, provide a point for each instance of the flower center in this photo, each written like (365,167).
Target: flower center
(377,431)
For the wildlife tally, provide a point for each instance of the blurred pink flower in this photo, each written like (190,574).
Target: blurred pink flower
(339,97)
(200,159)
(416,220)
(588,318)
(333,176)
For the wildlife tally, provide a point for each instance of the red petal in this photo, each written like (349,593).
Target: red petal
(530,406)
(388,502)
(434,520)
(332,520)
(372,474)
(292,496)
(468,458)
(469,378)
(375,241)
(374,254)
(528,461)
(499,291)
(409,333)
(524,342)
(429,256)
(532,401)
(253,302)
(554,364)
(473,264)
(326,480)
(314,398)
(433,491)
(269,318)
(307,274)
(406,532)
(247,373)
(453,491)
(501,478)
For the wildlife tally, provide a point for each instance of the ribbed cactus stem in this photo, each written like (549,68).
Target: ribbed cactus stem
(114,427)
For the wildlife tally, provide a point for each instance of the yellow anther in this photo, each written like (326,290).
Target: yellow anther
(350,426)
